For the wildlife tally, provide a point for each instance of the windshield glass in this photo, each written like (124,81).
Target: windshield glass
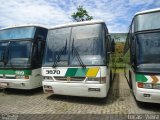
(17,33)
(57,46)
(147,21)
(88,40)
(148,48)
(19,54)
(3,46)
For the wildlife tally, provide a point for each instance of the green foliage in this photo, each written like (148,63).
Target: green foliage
(119,47)
(81,15)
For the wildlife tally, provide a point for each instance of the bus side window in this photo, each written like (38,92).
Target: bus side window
(41,46)
(113,46)
(38,52)
(108,48)
(132,50)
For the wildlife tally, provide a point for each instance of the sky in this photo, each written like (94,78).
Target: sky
(117,14)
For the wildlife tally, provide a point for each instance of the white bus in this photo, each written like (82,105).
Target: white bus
(21,53)
(142,56)
(76,62)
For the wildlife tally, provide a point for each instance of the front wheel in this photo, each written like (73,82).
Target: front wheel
(110,78)
(130,80)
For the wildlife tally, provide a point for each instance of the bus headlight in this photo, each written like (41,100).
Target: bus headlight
(47,78)
(103,80)
(22,77)
(148,85)
(145,85)
(156,86)
(93,80)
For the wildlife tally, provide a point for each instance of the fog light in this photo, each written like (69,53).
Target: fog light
(47,78)
(48,91)
(47,87)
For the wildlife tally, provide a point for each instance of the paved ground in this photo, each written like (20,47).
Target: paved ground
(119,101)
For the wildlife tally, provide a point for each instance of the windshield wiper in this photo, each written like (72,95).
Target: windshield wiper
(74,49)
(64,49)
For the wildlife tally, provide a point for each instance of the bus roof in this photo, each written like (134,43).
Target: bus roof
(25,25)
(77,24)
(148,11)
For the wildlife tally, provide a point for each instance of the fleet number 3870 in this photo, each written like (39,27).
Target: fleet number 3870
(52,71)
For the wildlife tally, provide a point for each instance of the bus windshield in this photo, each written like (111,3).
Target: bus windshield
(148,48)
(57,46)
(18,54)
(147,21)
(86,39)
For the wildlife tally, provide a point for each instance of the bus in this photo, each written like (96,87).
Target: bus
(142,56)
(77,60)
(21,53)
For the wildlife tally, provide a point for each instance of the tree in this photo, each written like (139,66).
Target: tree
(81,15)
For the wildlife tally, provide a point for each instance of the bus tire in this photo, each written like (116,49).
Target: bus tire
(103,100)
(110,78)
(141,104)
(130,80)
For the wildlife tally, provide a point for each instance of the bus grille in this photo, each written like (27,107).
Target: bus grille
(69,78)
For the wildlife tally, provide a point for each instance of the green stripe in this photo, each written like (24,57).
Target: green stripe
(17,72)
(141,78)
(81,72)
(76,72)
(71,72)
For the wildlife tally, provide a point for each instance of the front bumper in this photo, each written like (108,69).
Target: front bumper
(148,95)
(76,89)
(16,84)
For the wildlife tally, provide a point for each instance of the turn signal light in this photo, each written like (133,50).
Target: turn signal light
(140,85)
(26,77)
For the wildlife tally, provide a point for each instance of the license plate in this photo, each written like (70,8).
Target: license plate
(94,89)
(3,85)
